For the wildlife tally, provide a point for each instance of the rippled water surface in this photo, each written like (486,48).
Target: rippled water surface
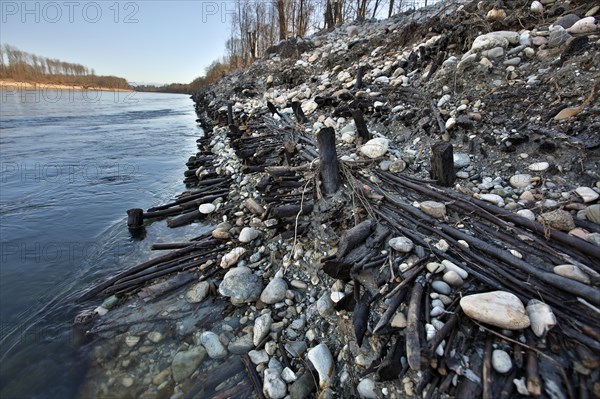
(71,165)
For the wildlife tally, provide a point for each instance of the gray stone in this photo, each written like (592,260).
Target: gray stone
(186,362)
(566,21)
(258,357)
(366,389)
(592,213)
(303,387)
(241,345)
(572,272)
(433,208)
(558,37)
(325,305)
(273,386)
(495,52)
(213,345)
(587,194)
(441,287)
(501,361)
(558,219)
(401,244)
(241,288)
(461,160)
(321,359)
(520,180)
(295,348)
(248,234)
(197,292)
(262,326)
(274,291)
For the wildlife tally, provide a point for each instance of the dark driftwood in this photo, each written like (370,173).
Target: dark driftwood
(359,77)
(184,219)
(395,302)
(184,206)
(152,262)
(351,238)
(135,219)
(289,210)
(298,113)
(361,126)
(230,113)
(534,382)
(487,369)
(360,316)
(330,174)
(413,340)
(442,163)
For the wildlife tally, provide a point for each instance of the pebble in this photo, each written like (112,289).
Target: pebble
(302,388)
(541,316)
(321,359)
(197,292)
(232,257)
(592,213)
(520,181)
(155,337)
(587,194)
(366,389)
(557,219)
(127,381)
(273,386)
(435,267)
(212,344)
(242,288)
(572,272)
(401,244)
(461,160)
(501,361)
(436,311)
(538,166)
(186,362)
(584,25)
(498,308)
(493,198)
(258,357)
(399,320)
(325,305)
(241,345)
(295,348)
(262,327)
(441,287)
(453,279)
(432,208)
(274,291)
(375,148)
(288,375)
(248,234)
(459,270)
(205,209)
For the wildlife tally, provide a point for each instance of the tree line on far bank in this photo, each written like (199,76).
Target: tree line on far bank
(256,26)
(21,66)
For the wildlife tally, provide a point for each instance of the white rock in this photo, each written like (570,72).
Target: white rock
(336,296)
(262,326)
(520,181)
(308,107)
(212,344)
(375,147)
(258,357)
(494,39)
(274,291)
(461,160)
(435,267)
(321,359)
(584,25)
(539,166)
(399,320)
(443,100)
(450,123)
(572,272)
(197,292)
(232,257)
(453,279)
(288,375)
(205,209)
(592,213)
(587,194)
(459,270)
(501,361)
(493,198)
(432,208)
(273,386)
(248,234)
(526,213)
(366,389)
(541,316)
(498,308)
(401,244)
(537,7)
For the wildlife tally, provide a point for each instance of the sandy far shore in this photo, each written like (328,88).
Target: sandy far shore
(53,86)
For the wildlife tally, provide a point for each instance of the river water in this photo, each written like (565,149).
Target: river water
(72,163)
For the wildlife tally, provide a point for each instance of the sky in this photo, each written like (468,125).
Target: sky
(143,41)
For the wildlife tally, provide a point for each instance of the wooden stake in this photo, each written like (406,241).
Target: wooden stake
(359,76)
(330,174)
(297,108)
(135,218)
(413,341)
(361,127)
(442,163)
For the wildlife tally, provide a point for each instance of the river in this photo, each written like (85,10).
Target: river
(72,163)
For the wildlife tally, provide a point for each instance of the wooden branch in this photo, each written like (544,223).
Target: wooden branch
(487,369)
(361,127)
(330,174)
(413,341)
(442,163)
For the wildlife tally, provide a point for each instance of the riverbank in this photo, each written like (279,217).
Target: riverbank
(10,84)
(396,213)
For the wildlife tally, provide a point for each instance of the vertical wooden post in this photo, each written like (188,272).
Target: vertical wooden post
(359,77)
(361,127)
(135,223)
(330,174)
(297,108)
(442,163)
